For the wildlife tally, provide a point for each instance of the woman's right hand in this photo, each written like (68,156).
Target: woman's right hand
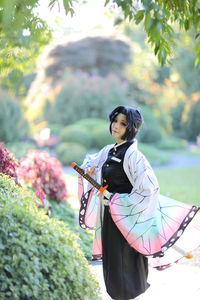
(90,171)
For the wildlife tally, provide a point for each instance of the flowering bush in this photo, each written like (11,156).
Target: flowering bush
(44,174)
(8,164)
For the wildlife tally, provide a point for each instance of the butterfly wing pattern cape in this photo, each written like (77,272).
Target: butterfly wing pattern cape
(159,227)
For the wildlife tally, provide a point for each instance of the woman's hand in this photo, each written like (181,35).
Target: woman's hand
(90,171)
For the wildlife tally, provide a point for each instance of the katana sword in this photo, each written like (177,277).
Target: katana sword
(102,189)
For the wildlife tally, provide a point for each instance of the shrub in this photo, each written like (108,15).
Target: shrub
(40,258)
(70,152)
(76,134)
(171,143)
(154,156)
(150,134)
(83,97)
(102,136)
(67,214)
(12,123)
(176,114)
(150,131)
(8,164)
(192,125)
(41,171)
(55,128)
(20,149)
(91,123)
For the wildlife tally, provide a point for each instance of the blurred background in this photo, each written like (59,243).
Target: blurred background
(61,78)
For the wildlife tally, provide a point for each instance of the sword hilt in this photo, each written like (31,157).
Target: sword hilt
(102,189)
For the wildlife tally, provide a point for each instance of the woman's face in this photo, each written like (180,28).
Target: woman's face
(118,127)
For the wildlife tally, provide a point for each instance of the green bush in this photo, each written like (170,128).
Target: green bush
(85,97)
(176,114)
(149,117)
(102,136)
(20,149)
(171,143)
(150,134)
(91,123)
(192,125)
(76,134)
(40,258)
(154,156)
(67,214)
(13,126)
(70,152)
(55,128)
(150,131)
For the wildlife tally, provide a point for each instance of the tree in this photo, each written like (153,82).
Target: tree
(159,16)
(22,36)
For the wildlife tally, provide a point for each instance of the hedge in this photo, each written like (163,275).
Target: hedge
(40,258)
(70,152)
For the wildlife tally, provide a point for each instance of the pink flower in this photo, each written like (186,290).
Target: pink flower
(45,175)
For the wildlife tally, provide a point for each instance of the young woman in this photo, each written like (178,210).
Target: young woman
(136,225)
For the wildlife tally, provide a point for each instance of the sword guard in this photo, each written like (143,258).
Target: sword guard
(101,190)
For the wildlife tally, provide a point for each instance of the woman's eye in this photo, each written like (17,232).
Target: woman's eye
(123,124)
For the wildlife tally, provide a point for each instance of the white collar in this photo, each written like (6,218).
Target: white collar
(115,146)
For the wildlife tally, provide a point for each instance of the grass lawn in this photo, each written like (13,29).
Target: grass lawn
(182,184)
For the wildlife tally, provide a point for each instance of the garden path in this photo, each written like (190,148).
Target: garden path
(181,161)
(175,283)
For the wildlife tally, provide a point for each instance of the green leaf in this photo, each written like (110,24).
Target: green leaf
(187,24)
(148,21)
(197,60)
(197,49)
(139,16)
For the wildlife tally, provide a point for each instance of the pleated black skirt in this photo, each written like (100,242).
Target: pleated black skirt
(125,270)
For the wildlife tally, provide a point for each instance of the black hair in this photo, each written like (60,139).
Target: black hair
(134,119)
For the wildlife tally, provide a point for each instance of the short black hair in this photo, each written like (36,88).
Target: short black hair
(134,119)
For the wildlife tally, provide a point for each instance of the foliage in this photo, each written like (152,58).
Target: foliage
(155,156)
(70,152)
(102,136)
(76,134)
(181,184)
(20,149)
(93,55)
(177,113)
(171,143)
(43,173)
(55,128)
(22,35)
(183,63)
(12,123)
(150,134)
(65,213)
(8,164)
(90,123)
(91,133)
(158,19)
(192,124)
(83,97)
(40,258)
